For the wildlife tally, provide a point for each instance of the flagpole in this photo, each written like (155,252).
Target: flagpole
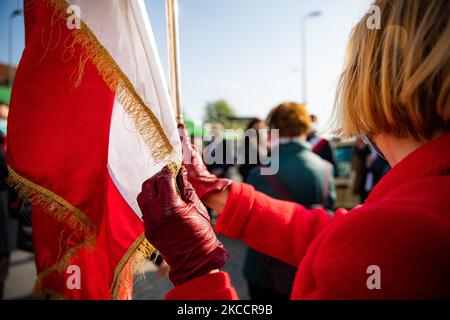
(174,62)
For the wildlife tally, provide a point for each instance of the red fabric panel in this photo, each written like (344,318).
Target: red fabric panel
(57,134)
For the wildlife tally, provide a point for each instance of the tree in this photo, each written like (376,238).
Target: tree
(218,110)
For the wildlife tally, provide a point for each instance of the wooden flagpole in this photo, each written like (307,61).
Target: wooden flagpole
(174,62)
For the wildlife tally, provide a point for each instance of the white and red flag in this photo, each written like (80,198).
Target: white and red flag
(90,120)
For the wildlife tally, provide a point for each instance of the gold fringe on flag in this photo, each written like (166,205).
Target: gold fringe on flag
(58,208)
(64,213)
(133,261)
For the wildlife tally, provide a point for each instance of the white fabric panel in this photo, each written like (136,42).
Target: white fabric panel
(129,163)
(123,28)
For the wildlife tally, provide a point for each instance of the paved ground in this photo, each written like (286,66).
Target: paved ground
(22,274)
(147,287)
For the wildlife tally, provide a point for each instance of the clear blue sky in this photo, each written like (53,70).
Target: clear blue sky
(245,51)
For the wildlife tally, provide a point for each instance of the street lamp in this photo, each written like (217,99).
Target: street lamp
(14,14)
(312,14)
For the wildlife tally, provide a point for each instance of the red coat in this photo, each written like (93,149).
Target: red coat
(403,228)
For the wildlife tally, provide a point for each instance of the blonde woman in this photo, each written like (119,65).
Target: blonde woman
(395,90)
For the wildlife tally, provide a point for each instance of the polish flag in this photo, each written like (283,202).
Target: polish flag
(90,121)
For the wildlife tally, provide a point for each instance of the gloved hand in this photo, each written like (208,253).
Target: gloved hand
(202,180)
(179,227)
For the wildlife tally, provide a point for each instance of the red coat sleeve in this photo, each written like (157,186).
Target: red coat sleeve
(215,286)
(280,229)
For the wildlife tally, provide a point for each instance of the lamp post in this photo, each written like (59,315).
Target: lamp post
(14,14)
(304,18)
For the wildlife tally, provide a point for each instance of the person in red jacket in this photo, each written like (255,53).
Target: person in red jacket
(395,90)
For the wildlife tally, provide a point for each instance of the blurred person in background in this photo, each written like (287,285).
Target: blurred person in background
(4,111)
(219,151)
(376,167)
(303,177)
(369,167)
(252,148)
(8,226)
(320,145)
(395,91)
(6,234)
(361,152)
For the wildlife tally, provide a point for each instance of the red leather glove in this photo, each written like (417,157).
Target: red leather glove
(179,227)
(202,180)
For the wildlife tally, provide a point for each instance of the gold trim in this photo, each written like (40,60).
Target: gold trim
(134,258)
(55,205)
(60,210)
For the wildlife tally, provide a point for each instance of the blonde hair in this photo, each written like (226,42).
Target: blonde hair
(292,119)
(396,79)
